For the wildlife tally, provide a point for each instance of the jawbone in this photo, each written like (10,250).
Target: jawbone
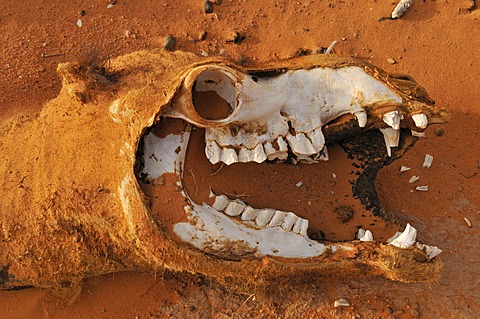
(72,206)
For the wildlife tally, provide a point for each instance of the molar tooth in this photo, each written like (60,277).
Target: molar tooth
(245,155)
(361,118)
(322,155)
(300,144)
(304,227)
(289,221)
(220,203)
(277,218)
(421,120)
(264,216)
(249,213)
(229,156)
(259,155)
(391,137)
(297,226)
(317,138)
(392,119)
(234,208)
(272,153)
(431,251)
(406,239)
(213,151)
(366,235)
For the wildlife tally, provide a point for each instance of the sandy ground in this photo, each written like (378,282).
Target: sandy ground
(436,42)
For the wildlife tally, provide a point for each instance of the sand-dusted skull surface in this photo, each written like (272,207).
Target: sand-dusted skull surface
(78,178)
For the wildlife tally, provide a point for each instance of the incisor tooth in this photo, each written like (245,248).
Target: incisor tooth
(300,144)
(391,137)
(213,152)
(406,239)
(421,120)
(361,118)
(289,221)
(249,213)
(256,155)
(277,218)
(229,156)
(392,119)
(317,138)
(264,216)
(234,209)
(220,203)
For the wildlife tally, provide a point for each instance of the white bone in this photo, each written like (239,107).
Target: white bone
(317,138)
(330,47)
(392,119)
(341,303)
(213,151)
(391,137)
(264,216)
(418,134)
(413,179)
(423,188)
(300,144)
(304,227)
(395,236)
(427,162)
(272,153)
(234,208)
(404,169)
(249,213)
(406,239)
(421,120)
(431,251)
(220,203)
(367,236)
(229,156)
(361,118)
(289,221)
(401,8)
(277,218)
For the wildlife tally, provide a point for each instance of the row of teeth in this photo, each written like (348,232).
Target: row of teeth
(307,147)
(261,217)
(405,239)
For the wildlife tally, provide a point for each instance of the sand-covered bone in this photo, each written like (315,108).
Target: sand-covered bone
(71,203)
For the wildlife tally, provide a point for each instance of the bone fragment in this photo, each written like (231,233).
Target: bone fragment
(341,303)
(317,138)
(406,239)
(422,188)
(229,156)
(264,216)
(431,251)
(277,218)
(427,162)
(401,8)
(220,203)
(300,144)
(289,221)
(361,118)
(392,119)
(391,137)
(249,213)
(234,208)
(421,120)
(364,235)
(413,179)
(213,151)
(418,134)
(467,221)
(404,169)
(330,47)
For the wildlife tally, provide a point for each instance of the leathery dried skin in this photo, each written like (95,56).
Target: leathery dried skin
(71,205)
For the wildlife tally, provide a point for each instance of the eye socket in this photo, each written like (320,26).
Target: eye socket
(214,95)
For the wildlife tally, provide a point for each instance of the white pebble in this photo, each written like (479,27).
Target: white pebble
(299,184)
(79,23)
(428,161)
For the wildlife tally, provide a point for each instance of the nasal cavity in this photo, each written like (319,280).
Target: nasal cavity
(214,95)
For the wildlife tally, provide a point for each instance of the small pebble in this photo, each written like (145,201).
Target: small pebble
(110,5)
(413,179)
(391,61)
(208,7)
(404,169)
(168,43)
(299,184)
(439,131)
(79,23)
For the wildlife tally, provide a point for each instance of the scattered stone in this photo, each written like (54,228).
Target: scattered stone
(82,13)
(299,184)
(391,61)
(439,131)
(168,43)
(208,7)
(344,213)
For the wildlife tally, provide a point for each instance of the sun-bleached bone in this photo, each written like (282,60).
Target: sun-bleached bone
(234,208)
(401,8)
(300,144)
(221,202)
(431,251)
(246,155)
(428,161)
(391,138)
(421,120)
(406,239)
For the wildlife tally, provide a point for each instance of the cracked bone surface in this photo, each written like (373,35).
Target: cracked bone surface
(128,194)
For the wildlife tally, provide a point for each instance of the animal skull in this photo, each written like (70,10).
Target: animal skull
(79,210)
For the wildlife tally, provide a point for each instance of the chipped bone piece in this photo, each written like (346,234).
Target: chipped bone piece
(364,235)
(406,239)
(155,111)
(341,303)
(427,163)
(404,169)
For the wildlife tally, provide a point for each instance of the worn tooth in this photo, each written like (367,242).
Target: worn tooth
(406,239)
(304,227)
(245,155)
(393,237)
(317,138)
(277,218)
(418,134)
(300,144)
(259,155)
(220,203)
(264,216)
(256,155)
(213,152)
(297,226)
(421,120)
(289,221)
(249,213)
(229,156)
(272,153)
(392,119)
(431,251)
(391,137)
(234,208)
(367,236)
(361,118)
